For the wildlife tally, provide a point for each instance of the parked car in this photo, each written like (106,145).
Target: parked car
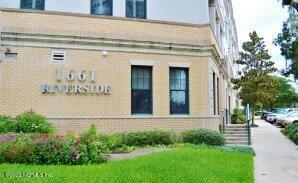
(286,121)
(271,118)
(266,113)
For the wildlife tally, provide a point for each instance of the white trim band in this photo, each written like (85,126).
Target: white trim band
(180,64)
(142,62)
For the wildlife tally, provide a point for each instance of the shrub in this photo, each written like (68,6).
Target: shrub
(48,149)
(238,117)
(292,132)
(113,143)
(149,138)
(7,125)
(30,122)
(203,136)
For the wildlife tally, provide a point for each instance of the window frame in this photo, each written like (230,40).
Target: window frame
(150,111)
(214,93)
(187,112)
(112,12)
(217,86)
(43,7)
(145,10)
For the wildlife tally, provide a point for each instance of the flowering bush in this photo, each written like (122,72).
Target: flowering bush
(30,122)
(7,125)
(48,149)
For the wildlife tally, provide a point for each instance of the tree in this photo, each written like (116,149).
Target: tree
(256,86)
(288,97)
(291,3)
(288,40)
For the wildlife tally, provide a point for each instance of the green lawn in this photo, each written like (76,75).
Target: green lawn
(186,164)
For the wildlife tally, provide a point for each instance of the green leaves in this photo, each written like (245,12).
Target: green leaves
(288,42)
(255,83)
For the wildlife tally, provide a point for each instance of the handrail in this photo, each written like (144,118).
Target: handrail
(248,131)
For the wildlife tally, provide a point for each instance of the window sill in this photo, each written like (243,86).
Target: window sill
(142,115)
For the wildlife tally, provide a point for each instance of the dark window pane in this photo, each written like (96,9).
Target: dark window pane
(183,75)
(129,8)
(147,74)
(178,98)
(32,4)
(179,91)
(102,7)
(141,73)
(134,73)
(183,85)
(136,8)
(141,101)
(177,74)
(134,83)
(147,84)
(175,84)
(178,102)
(140,9)
(140,84)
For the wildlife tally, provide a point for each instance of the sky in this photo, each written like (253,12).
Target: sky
(265,17)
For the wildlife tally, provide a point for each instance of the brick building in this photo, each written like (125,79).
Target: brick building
(122,65)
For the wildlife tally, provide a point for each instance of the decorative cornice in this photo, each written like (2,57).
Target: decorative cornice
(73,42)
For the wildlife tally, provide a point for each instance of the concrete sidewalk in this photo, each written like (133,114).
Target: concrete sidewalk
(276,158)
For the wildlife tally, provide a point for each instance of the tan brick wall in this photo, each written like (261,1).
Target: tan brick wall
(22,79)
(109,27)
(110,126)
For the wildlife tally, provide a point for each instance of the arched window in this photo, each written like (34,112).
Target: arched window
(136,8)
(102,7)
(32,4)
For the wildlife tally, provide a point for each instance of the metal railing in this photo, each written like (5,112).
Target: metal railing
(248,128)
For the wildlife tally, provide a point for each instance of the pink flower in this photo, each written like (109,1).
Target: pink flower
(7,137)
(73,149)
(78,156)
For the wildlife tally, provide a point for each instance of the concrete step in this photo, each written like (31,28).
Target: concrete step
(236,126)
(232,130)
(237,143)
(235,135)
(230,139)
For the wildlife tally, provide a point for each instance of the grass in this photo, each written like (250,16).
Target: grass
(185,164)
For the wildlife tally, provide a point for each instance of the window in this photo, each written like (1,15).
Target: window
(102,7)
(32,4)
(179,91)
(230,103)
(136,8)
(214,93)
(217,84)
(141,95)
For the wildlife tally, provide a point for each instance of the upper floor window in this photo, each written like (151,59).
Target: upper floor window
(102,7)
(136,8)
(32,4)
